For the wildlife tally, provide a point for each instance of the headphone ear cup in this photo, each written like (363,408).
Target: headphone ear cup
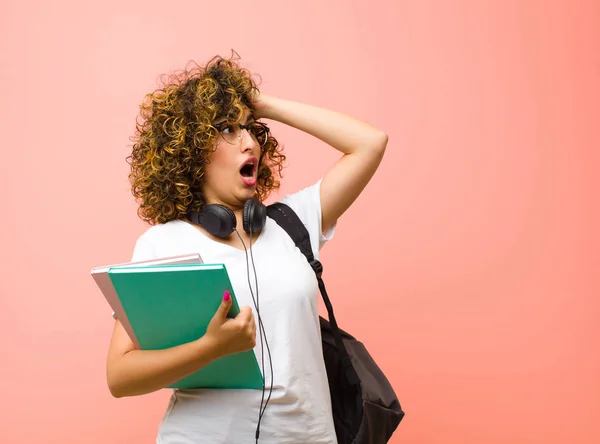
(254,216)
(218,220)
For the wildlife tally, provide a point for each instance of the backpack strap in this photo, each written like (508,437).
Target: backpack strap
(287,219)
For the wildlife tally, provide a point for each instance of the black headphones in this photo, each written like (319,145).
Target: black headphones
(220,221)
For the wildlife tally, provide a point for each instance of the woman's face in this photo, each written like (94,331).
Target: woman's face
(230,175)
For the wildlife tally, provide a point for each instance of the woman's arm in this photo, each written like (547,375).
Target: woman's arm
(132,372)
(363,147)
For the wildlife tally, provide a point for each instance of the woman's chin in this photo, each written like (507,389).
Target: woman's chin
(246,193)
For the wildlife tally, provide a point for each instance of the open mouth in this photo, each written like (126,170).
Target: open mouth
(248,171)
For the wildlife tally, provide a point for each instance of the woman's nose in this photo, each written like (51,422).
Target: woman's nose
(248,143)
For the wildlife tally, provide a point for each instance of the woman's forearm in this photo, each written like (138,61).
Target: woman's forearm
(138,372)
(347,134)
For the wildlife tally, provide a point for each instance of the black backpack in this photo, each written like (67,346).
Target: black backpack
(365,407)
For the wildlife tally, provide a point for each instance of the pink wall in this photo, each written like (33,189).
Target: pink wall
(468,267)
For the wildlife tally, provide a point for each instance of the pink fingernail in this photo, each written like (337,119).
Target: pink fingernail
(226,296)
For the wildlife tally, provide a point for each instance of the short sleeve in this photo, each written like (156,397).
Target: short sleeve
(142,250)
(306,203)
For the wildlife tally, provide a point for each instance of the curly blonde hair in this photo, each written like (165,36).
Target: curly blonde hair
(175,138)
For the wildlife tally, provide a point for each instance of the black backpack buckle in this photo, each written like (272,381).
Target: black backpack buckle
(317,267)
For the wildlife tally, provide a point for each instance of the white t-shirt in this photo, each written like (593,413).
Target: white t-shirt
(299,410)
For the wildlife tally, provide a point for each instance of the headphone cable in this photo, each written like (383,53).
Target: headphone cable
(261,331)
(268,349)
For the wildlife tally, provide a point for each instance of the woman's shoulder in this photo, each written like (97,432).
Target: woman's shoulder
(305,199)
(151,242)
(159,231)
(306,203)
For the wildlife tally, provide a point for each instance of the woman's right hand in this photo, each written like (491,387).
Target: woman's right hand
(231,335)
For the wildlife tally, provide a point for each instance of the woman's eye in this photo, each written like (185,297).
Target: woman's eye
(258,131)
(227,129)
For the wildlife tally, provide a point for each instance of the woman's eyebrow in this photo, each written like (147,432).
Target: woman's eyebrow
(249,118)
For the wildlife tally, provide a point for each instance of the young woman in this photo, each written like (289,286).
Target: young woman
(202,140)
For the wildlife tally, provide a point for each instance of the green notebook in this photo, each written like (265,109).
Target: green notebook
(168,305)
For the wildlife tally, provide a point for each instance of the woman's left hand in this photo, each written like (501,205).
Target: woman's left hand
(260,103)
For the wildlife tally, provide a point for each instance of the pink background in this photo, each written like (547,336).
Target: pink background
(468,267)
